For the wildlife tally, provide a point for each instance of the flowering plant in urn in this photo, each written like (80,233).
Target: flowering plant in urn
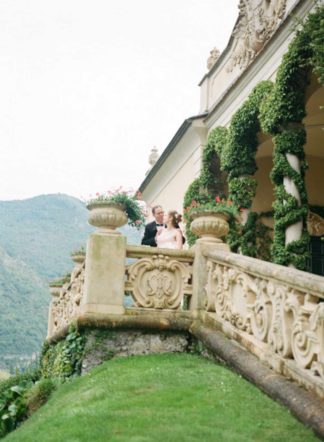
(127,202)
(217,205)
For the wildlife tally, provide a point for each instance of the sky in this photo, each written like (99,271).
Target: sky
(87,88)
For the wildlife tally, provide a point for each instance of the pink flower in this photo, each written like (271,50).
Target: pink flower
(217,199)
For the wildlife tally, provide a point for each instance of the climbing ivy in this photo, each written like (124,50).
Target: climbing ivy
(277,109)
(63,359)
(211,182)
(281,115)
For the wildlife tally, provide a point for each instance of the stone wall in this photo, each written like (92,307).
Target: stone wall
(104,344)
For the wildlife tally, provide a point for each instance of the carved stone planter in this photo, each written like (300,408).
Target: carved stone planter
(210,226)
(107,216)
(78,258)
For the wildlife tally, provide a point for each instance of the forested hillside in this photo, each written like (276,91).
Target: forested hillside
(37,236)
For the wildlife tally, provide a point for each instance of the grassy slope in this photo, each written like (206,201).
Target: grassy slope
(176,397)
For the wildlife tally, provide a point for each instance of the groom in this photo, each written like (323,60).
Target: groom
(151,228)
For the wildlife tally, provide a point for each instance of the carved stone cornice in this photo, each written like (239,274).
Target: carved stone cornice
(257,21)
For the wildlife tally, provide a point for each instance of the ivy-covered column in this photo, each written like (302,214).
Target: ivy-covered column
(293,231)
(290,207)
(281,115)
(238,159)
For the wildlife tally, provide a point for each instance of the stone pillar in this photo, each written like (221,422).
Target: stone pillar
(104,274)
(294,231)
(211,227)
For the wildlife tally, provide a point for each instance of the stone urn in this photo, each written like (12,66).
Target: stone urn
(78,258)
(209,225)
(107,216)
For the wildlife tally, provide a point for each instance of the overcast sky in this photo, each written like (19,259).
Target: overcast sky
(87,88)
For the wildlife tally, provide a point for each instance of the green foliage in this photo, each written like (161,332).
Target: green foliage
(263,240)
(281,115)
(13,408)
(165,397)
(286,103)
(217,140)
(315,26)
(211,182)
(242,142)
(39,394)
(212,178)
(64,359)
(287,210)
(222,206)
(242,190)
(248,236)
(195,192)
(128,200)
(238,159)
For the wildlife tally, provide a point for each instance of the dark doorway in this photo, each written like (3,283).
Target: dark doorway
(316,252)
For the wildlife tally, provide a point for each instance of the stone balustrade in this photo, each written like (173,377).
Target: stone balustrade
(66,301)
(274,311)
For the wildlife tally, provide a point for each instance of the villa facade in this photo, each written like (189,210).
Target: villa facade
(255,53)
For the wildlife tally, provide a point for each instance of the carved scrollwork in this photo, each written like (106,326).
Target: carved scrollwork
(65,307)
(261,311)
(308,335)
(232,292)
(158,282)
(281,322)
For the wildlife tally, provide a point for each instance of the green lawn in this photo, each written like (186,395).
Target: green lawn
(170,397)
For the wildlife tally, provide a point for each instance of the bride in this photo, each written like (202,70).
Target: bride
(170,236)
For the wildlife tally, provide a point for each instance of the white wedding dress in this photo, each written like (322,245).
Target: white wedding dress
(167,239)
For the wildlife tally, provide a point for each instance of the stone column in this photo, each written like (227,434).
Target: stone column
(104,274)
(294,231)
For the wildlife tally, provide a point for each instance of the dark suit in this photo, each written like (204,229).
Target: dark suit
(149,234)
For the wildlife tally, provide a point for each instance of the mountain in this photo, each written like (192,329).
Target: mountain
(37,236)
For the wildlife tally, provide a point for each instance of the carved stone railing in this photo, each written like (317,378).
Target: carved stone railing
(276,312)
(66,301)
(160,278)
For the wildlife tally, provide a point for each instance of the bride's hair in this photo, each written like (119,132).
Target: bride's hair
(175,218)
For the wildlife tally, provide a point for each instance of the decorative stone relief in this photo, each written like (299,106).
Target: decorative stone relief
(315,224)
(308,334)
(257,21)
(213,57)
(291,322)
(158,282)
(231,292)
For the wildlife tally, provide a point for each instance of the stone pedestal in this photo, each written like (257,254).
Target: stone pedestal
(105,274)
